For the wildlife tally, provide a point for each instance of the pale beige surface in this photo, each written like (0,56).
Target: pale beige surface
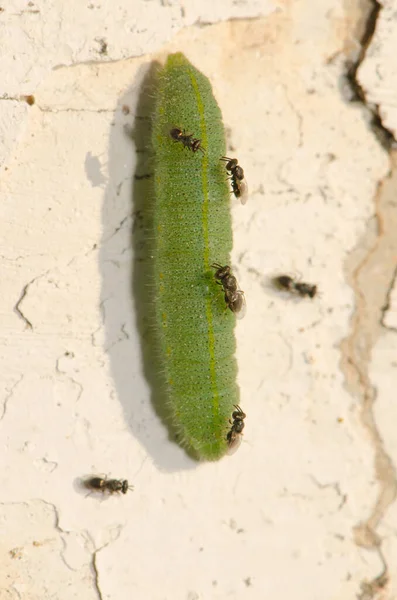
(286,516)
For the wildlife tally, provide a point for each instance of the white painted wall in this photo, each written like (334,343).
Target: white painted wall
(295,512)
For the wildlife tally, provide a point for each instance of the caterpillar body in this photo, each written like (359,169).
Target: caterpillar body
(192,231)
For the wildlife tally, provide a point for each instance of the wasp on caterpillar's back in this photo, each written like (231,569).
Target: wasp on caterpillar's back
(186,139)
(234,297)
(239,183)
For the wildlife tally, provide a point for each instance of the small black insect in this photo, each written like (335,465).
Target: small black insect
(237,425)
(239,184)
(289,284)
(223,275)
(238,417)
(102,484)
(187,139)
(234,298)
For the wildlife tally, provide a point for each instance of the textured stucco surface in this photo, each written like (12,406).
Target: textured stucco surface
(305,509)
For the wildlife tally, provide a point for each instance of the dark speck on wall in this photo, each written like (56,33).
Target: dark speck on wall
(29,99)
(103,46)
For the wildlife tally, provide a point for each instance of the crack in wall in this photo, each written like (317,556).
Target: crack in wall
(115,534)
(9,396)
(96,574)
(68,376)
(17,307)
(18,304)
(297,114)
(369,589)
(387,305)
(29,505)
(378,246)
(75,110)
(31,100)
(333,486)
(383,135)
(61,532)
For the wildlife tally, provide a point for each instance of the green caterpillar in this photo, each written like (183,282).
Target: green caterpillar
(192,231)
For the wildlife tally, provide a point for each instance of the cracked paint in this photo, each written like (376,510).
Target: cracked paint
(17,307)
(357,349)
(8,397)
(384,135)
(96,575)
(373,260)
(334,486)
(37,549)
(389,311)
(377,74)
